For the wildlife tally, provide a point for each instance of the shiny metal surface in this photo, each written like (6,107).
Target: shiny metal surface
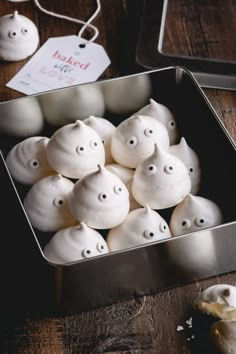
(142,270)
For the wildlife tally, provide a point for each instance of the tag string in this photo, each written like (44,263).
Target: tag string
(71,19)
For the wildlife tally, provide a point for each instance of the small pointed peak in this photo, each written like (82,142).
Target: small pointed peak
(43,141)
(83,226)
(159,152)
(153,102)
(15,15)
(147,208)
(139,119)
(78,123)
(58,177)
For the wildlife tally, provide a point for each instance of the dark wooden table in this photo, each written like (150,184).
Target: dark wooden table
(144,325)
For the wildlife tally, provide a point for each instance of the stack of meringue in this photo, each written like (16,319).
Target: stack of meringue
(219,302)
(91,175)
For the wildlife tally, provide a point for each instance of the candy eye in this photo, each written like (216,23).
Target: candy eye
(132,141)
(169,169)
(58,202)
(200,221)
(151,170)
(163,226)
(81,150)
(34,164)
(86,253)
(117,189)
(148,132)
(13,34)
(190,170)
(101,248)
(171,124)
(103,197)
(185,224)
(93,144)
(24,31)
(148,234)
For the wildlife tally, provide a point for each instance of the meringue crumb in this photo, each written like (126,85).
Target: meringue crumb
(179,328)
(189,322)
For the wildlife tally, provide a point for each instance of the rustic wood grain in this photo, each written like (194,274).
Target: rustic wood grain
(143,325)
(203,29)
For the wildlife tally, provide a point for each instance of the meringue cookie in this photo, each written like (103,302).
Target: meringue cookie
(134,138)
(224,336)
(218,301)
(141,226)
(194,213)
(100,199)
(75,150)
(162,114)
(105,129)
(65,106)
(191,161)
(126,175)
(128,94)
(19,37)
(46,204)
(75,243)
(27,161)
(161,180)
(22,117)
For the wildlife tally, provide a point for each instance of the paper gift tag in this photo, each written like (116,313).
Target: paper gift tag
(61,62)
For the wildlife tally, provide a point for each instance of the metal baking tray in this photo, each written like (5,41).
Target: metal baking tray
(198,35)
(31,283)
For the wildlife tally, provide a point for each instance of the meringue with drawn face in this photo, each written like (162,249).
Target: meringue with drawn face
(141,226)
(75,243)
(126,95)
(46,204)
(75,150)
(218,301)
(194,213)
(100,199)
(134,139)
(126,175)
(162,114)
(27,161)
(21,117)
(191,161)
(161,180)
(66,106)
(105,129)
(19,37)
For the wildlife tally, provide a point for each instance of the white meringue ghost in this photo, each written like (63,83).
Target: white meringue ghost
(75,243)
(126,175)
(75,150)
(218,301)
(27,161)
(19,37)
(224,336)
(191,161)
(65,106)
(162,114)
(194,213)
(46,204)
(134,139)
(21,117)
(128,94)
(105,129)
(100,199)
(161,181)
(141,226)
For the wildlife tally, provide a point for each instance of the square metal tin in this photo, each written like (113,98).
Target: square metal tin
(84,285)
(197,35)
